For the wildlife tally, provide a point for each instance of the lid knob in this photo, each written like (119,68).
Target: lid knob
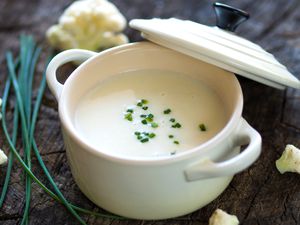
(228,17)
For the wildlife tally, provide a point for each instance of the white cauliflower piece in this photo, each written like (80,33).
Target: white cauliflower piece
(289,160)
(220,217)
(88,24)
(3,157)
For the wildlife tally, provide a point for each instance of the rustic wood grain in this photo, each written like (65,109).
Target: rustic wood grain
(259,195)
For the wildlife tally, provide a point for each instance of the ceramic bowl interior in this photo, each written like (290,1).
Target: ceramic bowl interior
(145,56)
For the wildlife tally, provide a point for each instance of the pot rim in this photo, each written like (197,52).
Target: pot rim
(198,151)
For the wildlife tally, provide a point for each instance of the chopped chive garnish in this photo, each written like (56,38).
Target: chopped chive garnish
(144,136)
(167,111)
(151,135)
(173,153)
(144,140)
(150,115)
(202,127)
(154,125)
(144,101)
(176,125)
(149,119)
(172,120)
(176,142)
(139,137)
(128,116)
(129,110)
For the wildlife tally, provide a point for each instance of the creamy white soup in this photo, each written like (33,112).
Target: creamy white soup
(149,113)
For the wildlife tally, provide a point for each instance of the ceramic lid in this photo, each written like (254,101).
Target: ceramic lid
(219,46)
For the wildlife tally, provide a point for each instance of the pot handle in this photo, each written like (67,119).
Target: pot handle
(208,169)
(60,59)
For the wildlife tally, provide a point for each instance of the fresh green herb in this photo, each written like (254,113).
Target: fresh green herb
(145,140)
(128,116)
(145,107)
(151,135)
(172,120)
(149,120)
(144,121)
(27,124)
(171,136)
(176,142)
(144,101)
(143,116)
(129,110)
(176,125)
(154,125)
(25,67)
(139,137)
(167,111)
(144,136)
(10,156)
(150,117)
(202,127)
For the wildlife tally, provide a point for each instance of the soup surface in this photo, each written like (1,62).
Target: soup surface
(149,113)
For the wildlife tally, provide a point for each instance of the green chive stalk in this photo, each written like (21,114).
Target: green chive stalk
(11,155)
(29,54)
(25,132)
(25,138)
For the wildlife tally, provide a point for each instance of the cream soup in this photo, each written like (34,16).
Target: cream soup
(149,113)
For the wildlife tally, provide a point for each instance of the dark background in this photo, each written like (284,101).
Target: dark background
(259,195)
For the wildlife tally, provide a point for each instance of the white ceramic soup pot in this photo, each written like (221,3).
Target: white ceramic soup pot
(162,187)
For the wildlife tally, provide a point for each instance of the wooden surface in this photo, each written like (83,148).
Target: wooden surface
(259,195)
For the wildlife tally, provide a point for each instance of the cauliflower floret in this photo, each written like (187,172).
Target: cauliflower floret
(220,217)
(3,157)
(88,24)
(289,160)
